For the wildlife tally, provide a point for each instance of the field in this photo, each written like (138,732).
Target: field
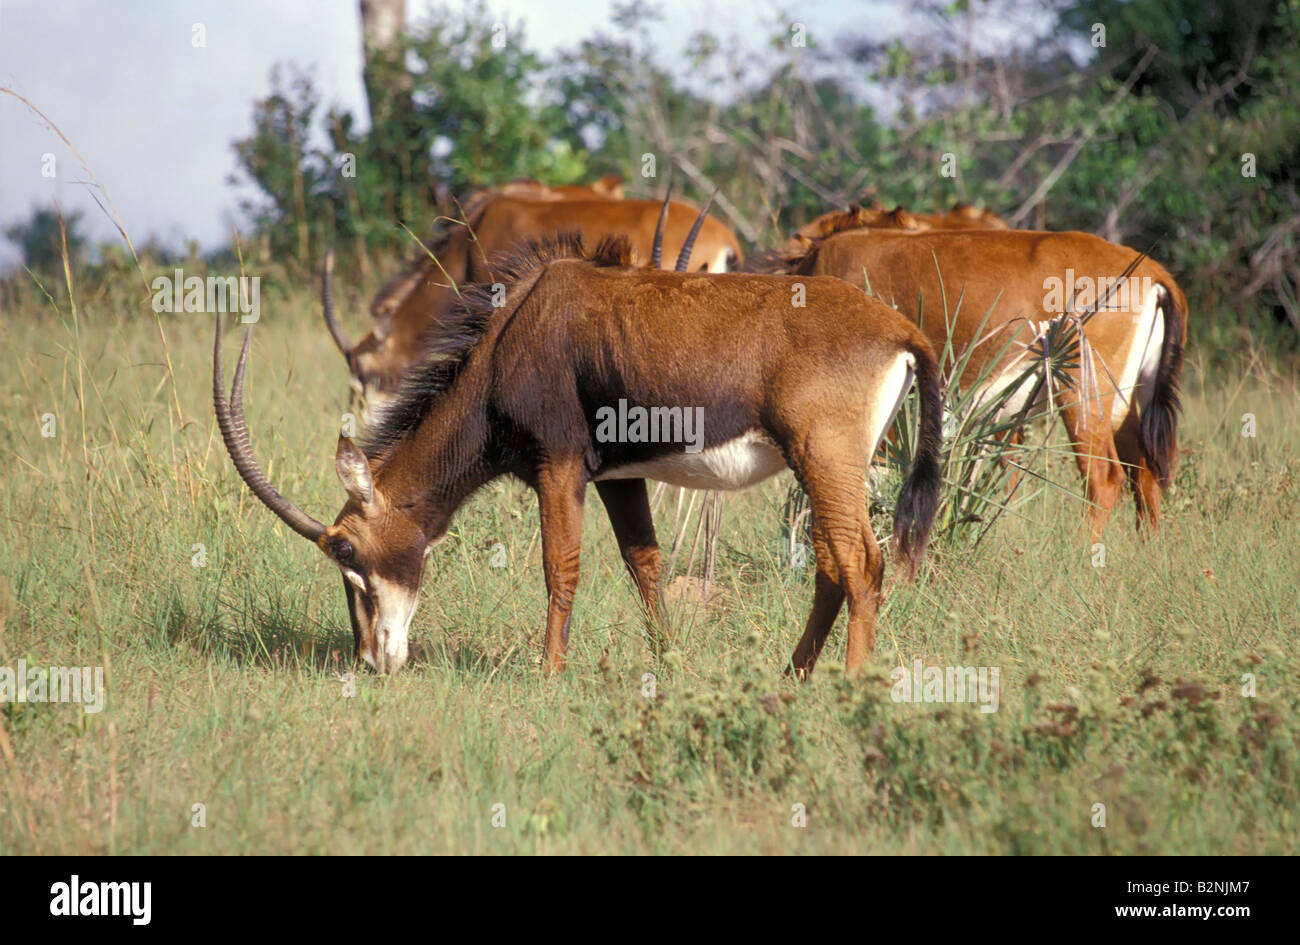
(130,543)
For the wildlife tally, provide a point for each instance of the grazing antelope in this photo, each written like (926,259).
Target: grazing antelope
(412,301)
(1122,415)
(518,389)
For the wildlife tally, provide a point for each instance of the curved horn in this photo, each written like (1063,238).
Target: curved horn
(684,256)
(230,418)
(657,250)
(327,301)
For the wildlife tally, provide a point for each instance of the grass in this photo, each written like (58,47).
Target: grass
(1120,685)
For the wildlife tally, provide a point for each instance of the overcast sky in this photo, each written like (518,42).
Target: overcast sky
(154,116)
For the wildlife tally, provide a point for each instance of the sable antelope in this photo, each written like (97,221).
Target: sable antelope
(962,216)
(517,389)
(1122,415)
(609,187)
(412,301)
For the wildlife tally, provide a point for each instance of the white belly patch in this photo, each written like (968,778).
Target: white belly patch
(735,464)
(753,456)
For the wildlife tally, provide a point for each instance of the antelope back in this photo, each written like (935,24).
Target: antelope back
(609,187)
(1022,276)
(963,216)
(413,301)
(510,221)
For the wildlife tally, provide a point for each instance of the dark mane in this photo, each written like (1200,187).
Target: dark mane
(446,345)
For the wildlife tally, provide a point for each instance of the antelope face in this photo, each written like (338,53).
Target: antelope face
(380,550)
(378,546)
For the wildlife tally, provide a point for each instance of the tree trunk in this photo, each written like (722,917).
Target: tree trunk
(382,22)
(394,137)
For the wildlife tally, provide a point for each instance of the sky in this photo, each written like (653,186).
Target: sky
(154,114)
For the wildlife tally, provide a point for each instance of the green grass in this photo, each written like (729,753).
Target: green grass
(1119,685)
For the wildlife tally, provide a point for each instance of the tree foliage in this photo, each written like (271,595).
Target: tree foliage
(1149,137)
(40,239)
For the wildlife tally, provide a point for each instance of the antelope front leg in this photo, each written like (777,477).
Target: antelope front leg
(560,491)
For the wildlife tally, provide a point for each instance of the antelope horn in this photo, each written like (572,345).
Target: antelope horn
(327,301)
(230,418)
(657,250)
(684,257)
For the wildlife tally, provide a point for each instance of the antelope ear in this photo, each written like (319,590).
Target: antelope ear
(611,185)
(908,221)
(354,471)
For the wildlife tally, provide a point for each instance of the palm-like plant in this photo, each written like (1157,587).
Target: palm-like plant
(988,404)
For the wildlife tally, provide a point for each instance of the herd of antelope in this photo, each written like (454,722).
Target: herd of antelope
(495,353)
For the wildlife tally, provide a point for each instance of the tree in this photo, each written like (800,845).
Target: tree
(41,242)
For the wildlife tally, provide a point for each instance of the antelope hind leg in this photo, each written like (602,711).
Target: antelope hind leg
(1146,488)
(1099,463)
(838,493)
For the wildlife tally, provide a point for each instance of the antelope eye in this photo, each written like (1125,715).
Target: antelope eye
(342,551)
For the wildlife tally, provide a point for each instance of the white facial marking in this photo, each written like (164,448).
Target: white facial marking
(356,580)
(394,608)
(720,263)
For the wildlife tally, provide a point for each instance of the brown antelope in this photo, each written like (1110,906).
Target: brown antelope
(609,187)
(1122,426)
(962,216)
(519,388)
(408,304)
